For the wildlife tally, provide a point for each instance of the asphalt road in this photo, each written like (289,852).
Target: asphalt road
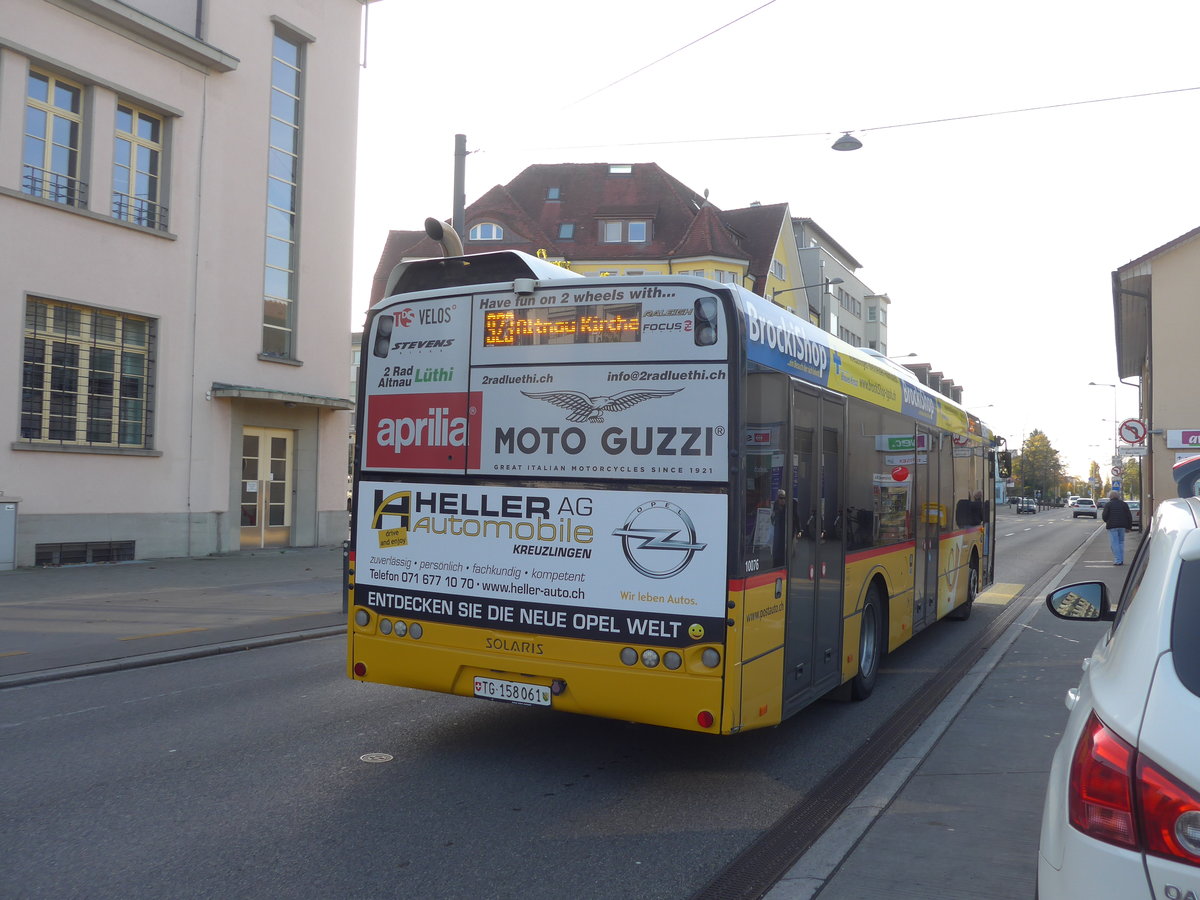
(250,775)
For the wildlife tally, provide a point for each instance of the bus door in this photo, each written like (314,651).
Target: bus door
(812,655)
(927,532)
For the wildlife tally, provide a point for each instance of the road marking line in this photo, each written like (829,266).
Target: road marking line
(139,637)
(15,653)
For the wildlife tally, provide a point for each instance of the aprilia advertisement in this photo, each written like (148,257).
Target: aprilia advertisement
(627,566)
(645,421)
(551,383)
(418,414)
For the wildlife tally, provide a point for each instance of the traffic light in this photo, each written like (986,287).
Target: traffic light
(1004,462)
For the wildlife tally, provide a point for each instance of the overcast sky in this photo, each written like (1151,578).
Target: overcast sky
(994,236)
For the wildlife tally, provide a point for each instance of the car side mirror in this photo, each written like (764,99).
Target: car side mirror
(1086,602)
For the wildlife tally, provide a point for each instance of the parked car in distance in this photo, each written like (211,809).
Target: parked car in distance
(1026,505)
(1122,809)
(1135,510)
(1084,506)
(1101,503)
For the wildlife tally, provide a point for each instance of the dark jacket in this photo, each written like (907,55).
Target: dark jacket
(1117,515)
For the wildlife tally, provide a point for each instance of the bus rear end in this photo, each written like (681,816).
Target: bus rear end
(540,510)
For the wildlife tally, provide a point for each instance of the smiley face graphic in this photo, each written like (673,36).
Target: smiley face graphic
(695,631)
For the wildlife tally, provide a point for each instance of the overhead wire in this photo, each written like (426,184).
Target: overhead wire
(827,133)
(648,65)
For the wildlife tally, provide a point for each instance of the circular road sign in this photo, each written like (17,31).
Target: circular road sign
(1116,470)
(1132,431)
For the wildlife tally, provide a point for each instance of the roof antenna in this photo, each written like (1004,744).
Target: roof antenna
(446,237)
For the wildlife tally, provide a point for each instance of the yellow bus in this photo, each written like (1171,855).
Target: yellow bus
(657,499)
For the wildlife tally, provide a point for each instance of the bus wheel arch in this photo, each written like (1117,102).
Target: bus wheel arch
(872,639)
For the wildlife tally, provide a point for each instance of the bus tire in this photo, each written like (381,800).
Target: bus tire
(870,645)
(963,612)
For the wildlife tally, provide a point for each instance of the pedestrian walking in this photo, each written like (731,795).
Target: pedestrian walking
(1117,519)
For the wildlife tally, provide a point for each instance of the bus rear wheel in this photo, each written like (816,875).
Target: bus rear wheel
(963,612)
(870,645)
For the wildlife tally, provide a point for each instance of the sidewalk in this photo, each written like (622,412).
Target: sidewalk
(957,812)
(76,619)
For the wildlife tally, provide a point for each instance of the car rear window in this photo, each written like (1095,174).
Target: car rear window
(1185,626)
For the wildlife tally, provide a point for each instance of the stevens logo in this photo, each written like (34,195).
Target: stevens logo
(423,431)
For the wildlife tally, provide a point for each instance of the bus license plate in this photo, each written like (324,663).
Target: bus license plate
(512,691)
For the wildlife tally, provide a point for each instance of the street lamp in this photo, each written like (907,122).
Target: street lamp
(826,283)
(1114,418)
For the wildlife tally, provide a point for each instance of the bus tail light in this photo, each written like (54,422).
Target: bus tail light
(360,669)
(704,331)
(704,719)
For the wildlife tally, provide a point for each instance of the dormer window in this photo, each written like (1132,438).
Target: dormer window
(566,231)
(553,194)
(620,231)
(486,231)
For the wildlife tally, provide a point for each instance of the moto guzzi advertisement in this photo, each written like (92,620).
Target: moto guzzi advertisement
(629,566)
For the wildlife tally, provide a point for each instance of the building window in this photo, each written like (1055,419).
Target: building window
(872,314)
(620,231)
(778,270)
(137,168)
(566,231)
(727,277)
(553,194)
(620,169)
(280,287)
(53,134)
(86,376)
(486,231)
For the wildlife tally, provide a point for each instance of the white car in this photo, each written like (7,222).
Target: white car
(1122,812)
(1084,506)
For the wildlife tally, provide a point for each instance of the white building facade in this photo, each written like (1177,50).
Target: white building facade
(176,213)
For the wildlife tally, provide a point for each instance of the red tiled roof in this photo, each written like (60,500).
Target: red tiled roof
(682,222)
(761,226)
(709,236)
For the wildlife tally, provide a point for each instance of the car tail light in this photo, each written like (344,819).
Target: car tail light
(1101,798)
(1107,774)
(1170,814)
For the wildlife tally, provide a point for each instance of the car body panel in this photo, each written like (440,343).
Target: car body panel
(1170,736)
(1131,684)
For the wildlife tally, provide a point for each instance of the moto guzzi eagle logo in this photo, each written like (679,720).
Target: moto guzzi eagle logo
(591,409)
